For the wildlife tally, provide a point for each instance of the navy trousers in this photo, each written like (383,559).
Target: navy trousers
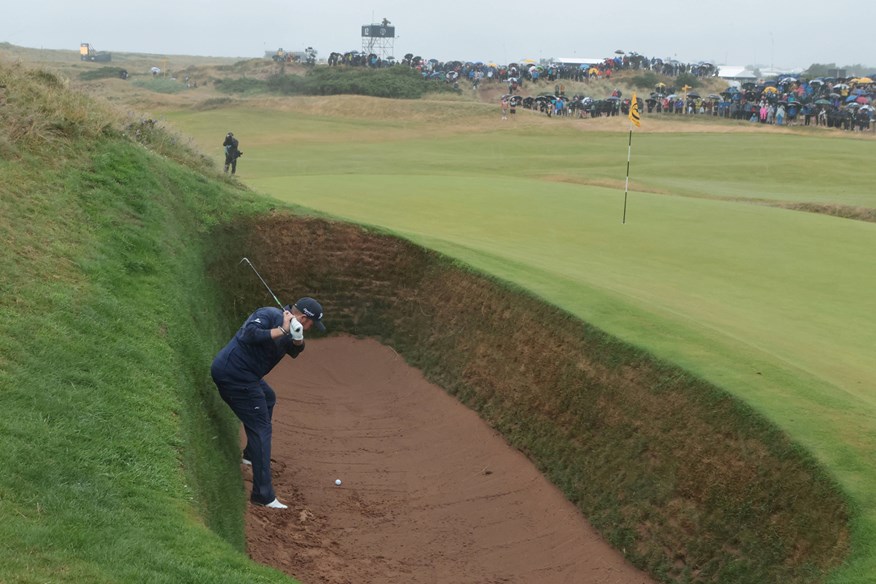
(254,405)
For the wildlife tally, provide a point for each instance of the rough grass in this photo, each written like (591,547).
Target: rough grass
(120,463)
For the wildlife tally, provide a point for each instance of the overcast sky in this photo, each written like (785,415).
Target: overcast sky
(784,34)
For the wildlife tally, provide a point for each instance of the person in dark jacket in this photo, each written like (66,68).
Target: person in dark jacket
(238,370)
(232,152)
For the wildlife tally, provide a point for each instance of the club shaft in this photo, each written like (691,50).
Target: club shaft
(249,263)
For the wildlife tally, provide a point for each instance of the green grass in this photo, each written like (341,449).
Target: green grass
(121,462)
(121,465)
(772,305)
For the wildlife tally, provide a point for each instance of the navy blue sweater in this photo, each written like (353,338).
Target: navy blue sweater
(252,353)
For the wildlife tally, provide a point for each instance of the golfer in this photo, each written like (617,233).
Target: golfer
(238,371)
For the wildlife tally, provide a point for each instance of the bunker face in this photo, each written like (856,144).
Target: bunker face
(681,475)
(431,493)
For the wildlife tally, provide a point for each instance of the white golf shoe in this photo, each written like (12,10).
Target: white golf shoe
(276,504)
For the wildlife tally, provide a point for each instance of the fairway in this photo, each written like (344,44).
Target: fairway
(773,305)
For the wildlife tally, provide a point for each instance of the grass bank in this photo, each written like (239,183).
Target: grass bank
(121,464)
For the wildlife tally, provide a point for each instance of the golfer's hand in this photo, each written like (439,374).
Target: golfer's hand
(296,330)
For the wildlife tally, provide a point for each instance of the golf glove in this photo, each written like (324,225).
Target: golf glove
(296,331)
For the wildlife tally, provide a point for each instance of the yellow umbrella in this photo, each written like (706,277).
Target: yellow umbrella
(592,70)
(770,89)
(865,80)
(528,61)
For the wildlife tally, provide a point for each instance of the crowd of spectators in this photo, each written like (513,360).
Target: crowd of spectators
(843,103)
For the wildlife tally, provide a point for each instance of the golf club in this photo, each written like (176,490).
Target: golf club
(263,281)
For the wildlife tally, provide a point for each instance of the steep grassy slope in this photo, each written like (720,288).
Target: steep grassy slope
(120,464)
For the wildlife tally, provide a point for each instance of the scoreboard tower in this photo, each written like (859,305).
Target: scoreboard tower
(378,38)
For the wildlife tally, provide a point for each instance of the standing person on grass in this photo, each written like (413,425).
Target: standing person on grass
(232,152)
(238,371)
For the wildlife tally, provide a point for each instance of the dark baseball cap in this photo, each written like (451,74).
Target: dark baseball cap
(312,310)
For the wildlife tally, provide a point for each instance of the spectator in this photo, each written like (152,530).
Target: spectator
(232,152)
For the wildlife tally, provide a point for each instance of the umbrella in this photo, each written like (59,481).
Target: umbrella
(770,89)
(593,70)
(840,86)
(618,52)
(822,102)
(693,94)
(714,96)
(528,61)
(862,99)
(864,80)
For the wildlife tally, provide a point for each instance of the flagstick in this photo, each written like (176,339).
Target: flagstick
(627,182)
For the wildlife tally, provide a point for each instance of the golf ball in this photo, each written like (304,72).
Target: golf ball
(338,482)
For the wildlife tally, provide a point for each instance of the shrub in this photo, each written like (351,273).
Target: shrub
(161,85)
(687,79)
(645,81)
(102,73)
(393,82)
(242,85)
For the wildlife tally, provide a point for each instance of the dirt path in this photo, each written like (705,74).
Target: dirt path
(430,493)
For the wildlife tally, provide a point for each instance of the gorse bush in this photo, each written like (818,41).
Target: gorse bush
(393,82)
(243,86)
(645,81)
(687,79)
(102,73)
(161,85)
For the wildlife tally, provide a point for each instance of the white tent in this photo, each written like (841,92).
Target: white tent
(577,61)
(736,72)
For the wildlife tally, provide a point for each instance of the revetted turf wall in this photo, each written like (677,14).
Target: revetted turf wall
(690,484)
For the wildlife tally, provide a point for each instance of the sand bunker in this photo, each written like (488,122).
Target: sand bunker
(429,492)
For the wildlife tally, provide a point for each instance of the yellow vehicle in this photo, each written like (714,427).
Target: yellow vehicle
(88,53)
(281,56)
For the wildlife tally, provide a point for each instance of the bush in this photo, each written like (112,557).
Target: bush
(243,86)
(102,73)
(687,79)
(161,85)
(645,81)
(393,82)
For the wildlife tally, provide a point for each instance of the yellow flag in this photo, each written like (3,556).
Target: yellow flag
(634,110)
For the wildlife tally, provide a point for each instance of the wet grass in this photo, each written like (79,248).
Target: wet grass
(771,304)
